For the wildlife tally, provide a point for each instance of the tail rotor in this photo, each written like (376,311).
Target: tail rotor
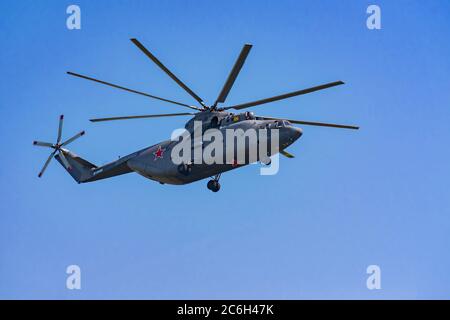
(58,147)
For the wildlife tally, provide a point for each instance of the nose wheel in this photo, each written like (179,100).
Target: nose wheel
(214,184)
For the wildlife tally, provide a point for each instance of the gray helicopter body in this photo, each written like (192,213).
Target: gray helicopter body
(155,162)
(163,169)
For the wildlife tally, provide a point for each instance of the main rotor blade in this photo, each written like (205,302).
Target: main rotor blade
(285,96)
(169,73)
(61,119)
(42,144)
(131,90)
(143,116)
(233,74)
(319,124)
(65,143)
(46,164)
(323,124)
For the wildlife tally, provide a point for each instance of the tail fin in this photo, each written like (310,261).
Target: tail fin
(80,169)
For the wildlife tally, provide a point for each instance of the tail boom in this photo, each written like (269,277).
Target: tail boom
(83,171)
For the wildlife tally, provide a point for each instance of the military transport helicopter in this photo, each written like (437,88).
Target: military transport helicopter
(155,163)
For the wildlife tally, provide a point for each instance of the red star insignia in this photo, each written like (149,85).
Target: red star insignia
(159,153)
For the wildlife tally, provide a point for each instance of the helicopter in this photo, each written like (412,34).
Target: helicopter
(155,162)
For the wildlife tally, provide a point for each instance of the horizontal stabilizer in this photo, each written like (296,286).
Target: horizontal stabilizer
(287,154)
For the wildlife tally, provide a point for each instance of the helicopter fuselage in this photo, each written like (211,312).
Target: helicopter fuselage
(156,162)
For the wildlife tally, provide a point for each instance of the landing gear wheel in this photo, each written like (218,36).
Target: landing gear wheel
(213,185)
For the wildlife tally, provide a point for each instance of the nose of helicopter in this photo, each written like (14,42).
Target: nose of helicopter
(295,132)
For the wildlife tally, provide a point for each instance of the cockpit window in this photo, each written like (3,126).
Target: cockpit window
(282,123)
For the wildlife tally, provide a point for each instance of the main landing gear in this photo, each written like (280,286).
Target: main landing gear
(214,184)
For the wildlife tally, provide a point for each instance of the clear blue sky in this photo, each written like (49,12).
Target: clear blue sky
(348,200)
